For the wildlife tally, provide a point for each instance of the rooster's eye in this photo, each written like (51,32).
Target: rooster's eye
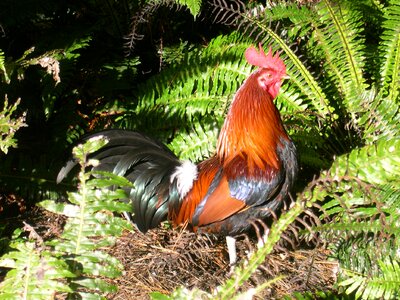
(264,79)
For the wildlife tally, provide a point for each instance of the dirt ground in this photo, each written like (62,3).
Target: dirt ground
(164,259)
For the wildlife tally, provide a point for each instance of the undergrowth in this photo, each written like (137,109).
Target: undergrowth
(340,106)
(75,263)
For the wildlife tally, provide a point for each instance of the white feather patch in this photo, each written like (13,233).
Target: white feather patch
(185,175)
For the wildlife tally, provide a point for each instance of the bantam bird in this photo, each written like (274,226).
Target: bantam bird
(248,179)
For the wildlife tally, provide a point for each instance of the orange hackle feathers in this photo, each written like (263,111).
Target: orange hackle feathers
(253,127)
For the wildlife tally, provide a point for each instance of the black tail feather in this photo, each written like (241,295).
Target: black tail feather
(146,163)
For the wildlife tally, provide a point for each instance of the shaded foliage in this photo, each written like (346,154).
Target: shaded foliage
(72,263)
(67,62)
(340,106)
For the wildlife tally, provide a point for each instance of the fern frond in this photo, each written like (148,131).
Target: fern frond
(384,286)
(196,145)
(375,207)
(389,50)
(35,274)
(355,189)
(199,85)
(361,201)
(376,164)
(90,214)
(289,101)
(225,12)
(338,34)
(354,182)
(192,5)
(3,67)
(380,118)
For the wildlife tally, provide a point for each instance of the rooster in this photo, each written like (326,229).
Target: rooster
(249,177)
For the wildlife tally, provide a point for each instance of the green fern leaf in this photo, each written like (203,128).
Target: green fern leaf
(9,125)
(3,67)
(193,5)
(389,50)
(200,85)
(349,179)
(35,273)
(386,285)
(196,145)
(299,75)
(380,118)
(376,164)
(90,214)
(338,35)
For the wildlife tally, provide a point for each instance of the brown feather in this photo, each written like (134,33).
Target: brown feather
(220,205)
(207,172)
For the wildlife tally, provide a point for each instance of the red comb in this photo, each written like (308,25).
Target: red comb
(262,60)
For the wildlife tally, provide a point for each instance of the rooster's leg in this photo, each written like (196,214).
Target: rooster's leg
(231,244)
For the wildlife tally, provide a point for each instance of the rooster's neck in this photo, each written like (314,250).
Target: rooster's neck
(253,128)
